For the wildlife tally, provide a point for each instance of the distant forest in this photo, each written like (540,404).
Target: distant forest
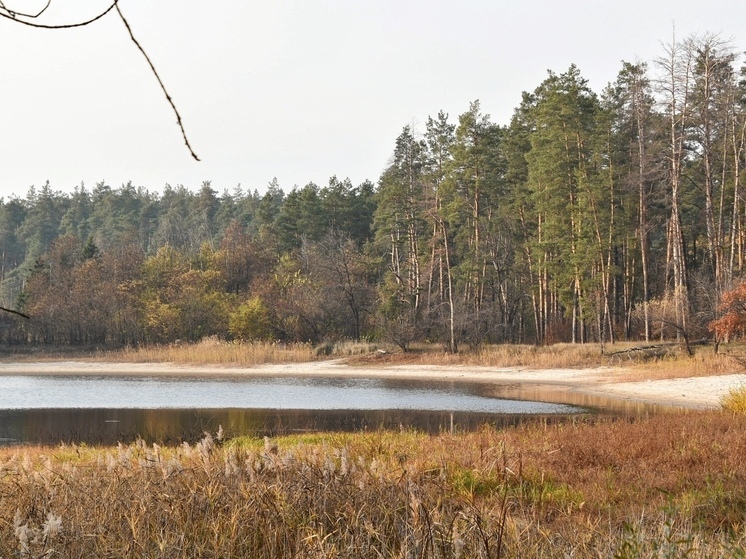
(589,217)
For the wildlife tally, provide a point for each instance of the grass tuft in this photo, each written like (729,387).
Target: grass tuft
(735,400)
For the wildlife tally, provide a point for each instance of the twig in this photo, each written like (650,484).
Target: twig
(12,16)
(16,14)
(160,82)
(15,312)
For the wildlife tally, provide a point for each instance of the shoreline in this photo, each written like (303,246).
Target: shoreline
(556,385)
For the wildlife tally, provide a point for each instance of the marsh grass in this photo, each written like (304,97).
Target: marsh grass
(668,486)
(704,362)
(212,351)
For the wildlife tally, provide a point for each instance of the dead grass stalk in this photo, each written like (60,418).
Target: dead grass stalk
(668,486)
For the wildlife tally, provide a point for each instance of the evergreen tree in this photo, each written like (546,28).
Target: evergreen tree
(441,303)
(12,252)
(41,226)
(474,191)
(564,192)
(400,229)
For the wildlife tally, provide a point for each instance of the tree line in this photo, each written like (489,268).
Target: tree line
(589,217)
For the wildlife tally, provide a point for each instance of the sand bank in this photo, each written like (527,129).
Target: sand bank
(700,392)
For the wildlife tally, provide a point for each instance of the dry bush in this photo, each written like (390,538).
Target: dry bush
(346,348)
(668,486)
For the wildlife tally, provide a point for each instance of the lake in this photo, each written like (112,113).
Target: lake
(93,409)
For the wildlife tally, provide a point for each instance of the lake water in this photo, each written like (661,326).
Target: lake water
(36,392)
(93,409)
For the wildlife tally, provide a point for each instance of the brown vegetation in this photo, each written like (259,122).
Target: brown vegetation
(671,485)
(674,363)
(211,351)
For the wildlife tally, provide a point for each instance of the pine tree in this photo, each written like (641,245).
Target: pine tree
(564,191)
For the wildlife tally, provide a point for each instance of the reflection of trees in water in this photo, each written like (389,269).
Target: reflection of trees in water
(164,426)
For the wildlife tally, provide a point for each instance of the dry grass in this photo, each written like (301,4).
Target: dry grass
(214,351)
(704,362)
(735,400)
(504,355)
(668,486)
(673,362)
(209,351)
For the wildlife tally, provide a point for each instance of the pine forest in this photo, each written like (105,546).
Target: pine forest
(589,217)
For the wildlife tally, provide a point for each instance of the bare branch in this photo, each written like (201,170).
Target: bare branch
(160,82)
(15,312)
(12,16)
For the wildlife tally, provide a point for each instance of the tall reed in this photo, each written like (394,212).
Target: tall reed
(211,351)
(667,486)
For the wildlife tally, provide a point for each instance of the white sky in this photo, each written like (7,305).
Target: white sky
(298,90)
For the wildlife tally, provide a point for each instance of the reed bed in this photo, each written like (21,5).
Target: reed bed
(212,350)
(668,486)
(518,355)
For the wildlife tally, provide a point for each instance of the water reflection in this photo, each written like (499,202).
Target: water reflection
(565,395)
(106,410)
(173,426)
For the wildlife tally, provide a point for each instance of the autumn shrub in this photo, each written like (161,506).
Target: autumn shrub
(251,321)
(732,320)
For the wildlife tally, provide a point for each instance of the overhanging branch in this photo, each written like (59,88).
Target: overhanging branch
(15,17)
(18,17)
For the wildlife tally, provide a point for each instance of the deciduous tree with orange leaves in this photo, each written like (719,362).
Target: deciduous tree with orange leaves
(732,321)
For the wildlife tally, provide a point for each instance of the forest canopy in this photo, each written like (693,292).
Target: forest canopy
(590,216)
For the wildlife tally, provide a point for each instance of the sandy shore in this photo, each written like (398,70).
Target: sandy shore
(592,386)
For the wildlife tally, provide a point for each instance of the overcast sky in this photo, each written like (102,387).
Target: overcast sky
(295,89)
